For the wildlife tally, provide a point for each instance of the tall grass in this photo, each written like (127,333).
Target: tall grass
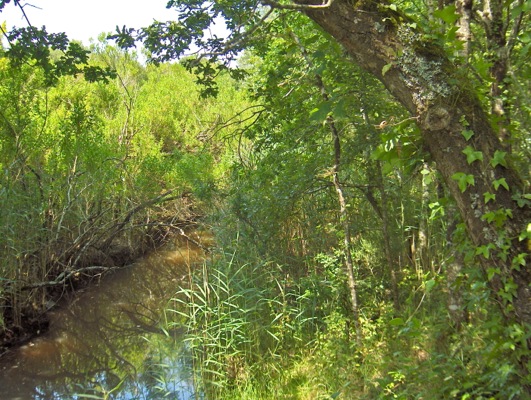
(240,321)
(255,332)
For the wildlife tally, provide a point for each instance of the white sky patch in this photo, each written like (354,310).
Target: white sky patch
(83,20)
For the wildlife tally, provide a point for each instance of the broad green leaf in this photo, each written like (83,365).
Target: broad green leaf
(467,134)
(396,321)
(472,155)
(429,285)
(463,180)
(448,14)
(386,68)
(498,159)
(451,34)
(500,182)
(321,112)
(339,110)
(483,66)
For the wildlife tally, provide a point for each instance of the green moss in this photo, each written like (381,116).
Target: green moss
(366,5)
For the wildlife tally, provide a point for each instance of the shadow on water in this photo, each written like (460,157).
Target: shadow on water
(108,342)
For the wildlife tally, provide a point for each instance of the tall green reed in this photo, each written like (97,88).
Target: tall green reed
(240,319)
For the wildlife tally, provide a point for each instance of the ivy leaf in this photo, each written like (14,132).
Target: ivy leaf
(472,155)
(463,180)
(526,235)
(498,159)
(491,272)
(489,196)
(467,134)
(447,14)
(500,182)
(523,200)
(489,217)
(519,261)
(484,250)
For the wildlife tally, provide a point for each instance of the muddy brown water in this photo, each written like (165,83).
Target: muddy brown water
(108,342)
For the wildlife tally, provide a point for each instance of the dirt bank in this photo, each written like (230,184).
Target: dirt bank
(25,306)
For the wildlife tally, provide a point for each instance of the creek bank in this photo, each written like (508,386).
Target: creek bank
(116,336)
(23,322)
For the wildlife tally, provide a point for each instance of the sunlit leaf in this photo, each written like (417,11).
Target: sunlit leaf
(448,14)
(396,321)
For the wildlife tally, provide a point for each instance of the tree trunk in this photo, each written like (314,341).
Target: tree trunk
(423,236)
(374,174)
(386,232)
(464,32)
(417,73)
(343,209)
(456,310)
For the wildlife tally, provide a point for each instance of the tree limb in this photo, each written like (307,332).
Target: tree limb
(275,4)
(64,276)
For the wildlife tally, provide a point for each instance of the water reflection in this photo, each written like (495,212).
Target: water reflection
(108,342)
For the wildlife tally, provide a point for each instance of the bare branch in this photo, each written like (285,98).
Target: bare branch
(63,277)
(275,4)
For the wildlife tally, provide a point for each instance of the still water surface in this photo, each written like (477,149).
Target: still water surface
(108,342)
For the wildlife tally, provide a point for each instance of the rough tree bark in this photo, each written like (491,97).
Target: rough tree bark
(418,74)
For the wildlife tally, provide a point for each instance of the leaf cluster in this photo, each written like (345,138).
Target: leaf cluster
(54,53)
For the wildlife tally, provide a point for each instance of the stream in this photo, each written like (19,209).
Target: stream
(108,343)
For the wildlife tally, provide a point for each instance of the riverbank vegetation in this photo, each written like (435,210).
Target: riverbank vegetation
(367,245)
(344,268)
(97,173)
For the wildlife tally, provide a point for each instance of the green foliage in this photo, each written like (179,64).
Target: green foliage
(472,155)
(40,48)
(441,343)
(269,315)
(84,165)
(237,318)
(464,180)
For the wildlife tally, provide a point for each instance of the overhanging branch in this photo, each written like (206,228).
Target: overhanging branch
(275,4)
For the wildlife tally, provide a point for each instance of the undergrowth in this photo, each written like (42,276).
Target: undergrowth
(255,332)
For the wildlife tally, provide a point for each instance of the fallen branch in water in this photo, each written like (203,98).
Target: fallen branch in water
(64,276)
(187,237)
(121,225)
